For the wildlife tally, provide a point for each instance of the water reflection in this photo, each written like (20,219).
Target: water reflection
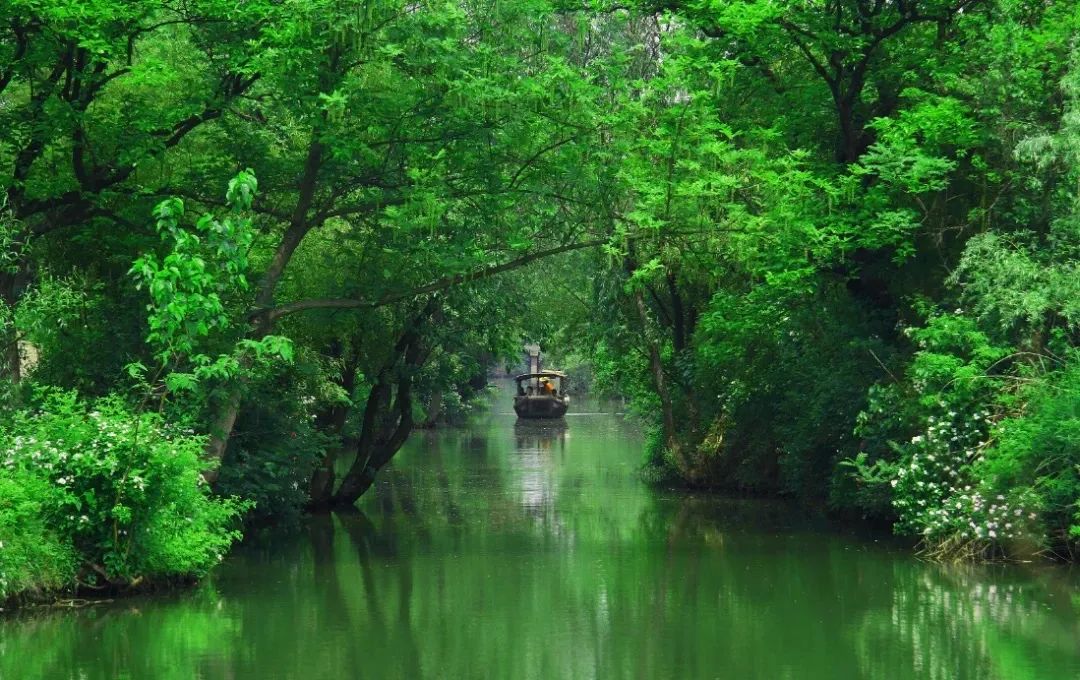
(540,446)
(540,436)
(512,551)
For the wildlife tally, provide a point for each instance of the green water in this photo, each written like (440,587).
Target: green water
(525,551)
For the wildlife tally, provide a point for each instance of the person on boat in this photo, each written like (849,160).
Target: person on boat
(546,387)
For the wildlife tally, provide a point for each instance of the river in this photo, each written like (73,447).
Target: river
(524,550)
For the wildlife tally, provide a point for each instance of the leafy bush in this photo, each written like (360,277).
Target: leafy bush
(81,336)
(278,438)
(271,456)
(32,556)
(789,381)
(1037,453)
(124,491)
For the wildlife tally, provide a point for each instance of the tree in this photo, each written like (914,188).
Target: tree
(86,101)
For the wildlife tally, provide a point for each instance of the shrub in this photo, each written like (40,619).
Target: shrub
(942,491)
(276,441)
(790,373)
(1037,451)
(271,457)
(33,557)
(124,491)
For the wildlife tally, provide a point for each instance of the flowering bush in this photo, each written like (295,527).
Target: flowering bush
(941,491)
(123,491)
(979,447)
(941,485)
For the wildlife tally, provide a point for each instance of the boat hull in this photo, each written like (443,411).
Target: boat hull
(536,407)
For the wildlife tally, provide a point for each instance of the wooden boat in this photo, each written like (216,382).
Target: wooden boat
(541,394)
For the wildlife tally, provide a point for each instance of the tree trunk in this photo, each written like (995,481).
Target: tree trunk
(321,488)
(374,413)
(851,133)
(362,474)
(678,314)
(220,432)
(681,340)
(656,366)
(434,410)
(299,226)
(12,284)
(386,436)
(10,359)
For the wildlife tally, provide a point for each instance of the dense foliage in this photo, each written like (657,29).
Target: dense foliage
(861,287)
(829,250)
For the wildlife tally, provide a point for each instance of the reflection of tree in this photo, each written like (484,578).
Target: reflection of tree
(774,596)
(169,637)
(331,609)
(383,635)
(960,622)
(450,572)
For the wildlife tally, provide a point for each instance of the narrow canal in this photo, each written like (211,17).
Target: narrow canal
(510,550)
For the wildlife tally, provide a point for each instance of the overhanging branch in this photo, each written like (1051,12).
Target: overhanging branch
(444,282)
(435,286)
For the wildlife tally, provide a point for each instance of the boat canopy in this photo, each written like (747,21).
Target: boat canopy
(539,374)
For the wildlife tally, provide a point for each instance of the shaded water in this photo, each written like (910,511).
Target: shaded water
(524,550)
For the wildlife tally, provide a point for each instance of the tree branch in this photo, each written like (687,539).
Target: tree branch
(22,43)
(437,285)
(795,31)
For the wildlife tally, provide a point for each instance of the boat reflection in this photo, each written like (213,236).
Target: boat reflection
(539,436)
